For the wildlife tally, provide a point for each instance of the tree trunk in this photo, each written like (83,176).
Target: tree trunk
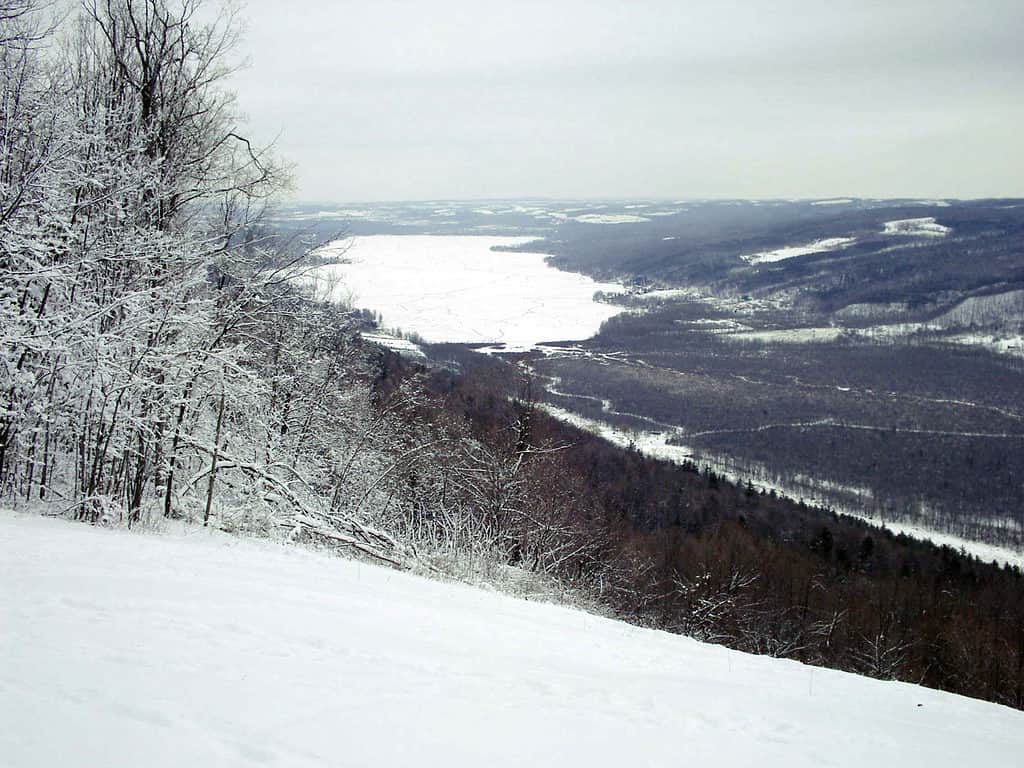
(213,461)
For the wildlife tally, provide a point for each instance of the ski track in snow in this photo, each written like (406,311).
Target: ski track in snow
(127,649)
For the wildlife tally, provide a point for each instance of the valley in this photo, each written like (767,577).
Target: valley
(855,355)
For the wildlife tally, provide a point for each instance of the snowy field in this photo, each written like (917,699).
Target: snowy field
(788,335)
(923,227)
(792,251)
(611,218)
(395,344)
(456,289)
(195,649)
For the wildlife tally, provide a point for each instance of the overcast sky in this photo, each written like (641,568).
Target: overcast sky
(394,100)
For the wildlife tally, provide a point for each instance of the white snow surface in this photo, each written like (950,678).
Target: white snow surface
(395,344)
(611,218)
(923,227)
(456,289)
(649,443)
(792,251)
(126,649)
(788,335)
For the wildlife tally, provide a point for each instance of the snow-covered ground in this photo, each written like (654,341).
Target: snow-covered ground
(1005,345)
(926,227)
(985,552)
(396,344)
(195,649)
(820,335)
(649,443)
(456,289)
(611,218)
(792,251)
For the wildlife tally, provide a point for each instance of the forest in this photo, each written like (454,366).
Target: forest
(163,360)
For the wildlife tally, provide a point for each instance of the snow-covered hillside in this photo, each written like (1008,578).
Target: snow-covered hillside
(122,649)
(923,227)
(792,251)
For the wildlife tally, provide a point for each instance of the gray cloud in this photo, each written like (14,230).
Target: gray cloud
(403,100)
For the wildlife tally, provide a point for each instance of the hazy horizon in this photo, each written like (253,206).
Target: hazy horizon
(612,199)
(455,100)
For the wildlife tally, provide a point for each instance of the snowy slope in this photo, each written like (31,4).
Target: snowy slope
(792,251)
(123,649)
(926,227)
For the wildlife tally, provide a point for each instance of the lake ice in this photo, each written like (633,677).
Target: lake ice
(454,288)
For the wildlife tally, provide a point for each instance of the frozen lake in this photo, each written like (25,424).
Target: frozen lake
(449,288)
